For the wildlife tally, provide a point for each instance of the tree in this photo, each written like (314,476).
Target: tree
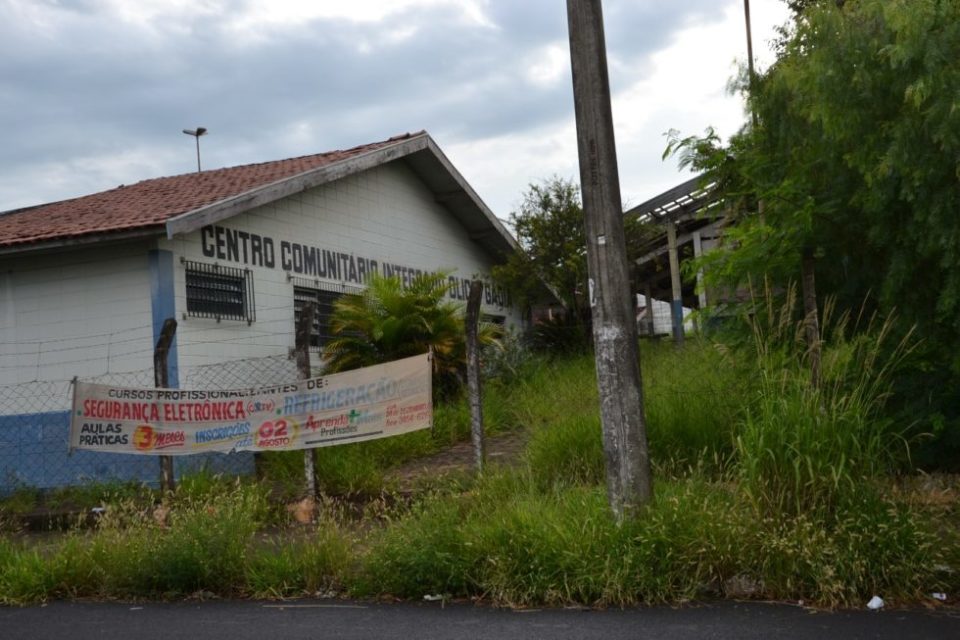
(549,228)
(388,321)
(854,155)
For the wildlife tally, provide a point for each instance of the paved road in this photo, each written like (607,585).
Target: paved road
(431,621)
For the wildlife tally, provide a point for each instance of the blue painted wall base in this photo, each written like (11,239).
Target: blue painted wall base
(34,453)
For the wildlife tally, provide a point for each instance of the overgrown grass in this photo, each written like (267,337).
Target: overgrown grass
(797,508)
(803,448)
(766,488)
(516,544)
(694,397)
(206,544)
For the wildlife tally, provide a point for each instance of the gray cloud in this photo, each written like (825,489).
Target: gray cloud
(85,84)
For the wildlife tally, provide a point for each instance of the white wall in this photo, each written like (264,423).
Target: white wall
(75,313)
(88,312)
(385,214)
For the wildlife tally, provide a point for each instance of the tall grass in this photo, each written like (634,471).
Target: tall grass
(802,448)
(203,543)
(514,543)
(795,509)
(693,399)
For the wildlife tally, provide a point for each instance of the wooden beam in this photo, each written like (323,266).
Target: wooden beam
(681,240)
(697,252)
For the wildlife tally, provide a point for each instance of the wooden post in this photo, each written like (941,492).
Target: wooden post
(811,322)
(629,484)
(161,380)
(302,351)
(676,305)
(473,374)
(697,252)
(648,297)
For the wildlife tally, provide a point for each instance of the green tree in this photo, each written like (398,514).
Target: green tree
(855,158)
(549,226)
(388,321)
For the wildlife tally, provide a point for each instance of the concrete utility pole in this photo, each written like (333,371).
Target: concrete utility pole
(629,484)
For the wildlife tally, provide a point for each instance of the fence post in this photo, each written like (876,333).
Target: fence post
(302,350)
(473,373)
(161,381)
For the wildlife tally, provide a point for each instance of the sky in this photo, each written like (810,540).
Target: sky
(96,93)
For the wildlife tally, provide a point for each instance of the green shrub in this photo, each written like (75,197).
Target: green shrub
(390,320)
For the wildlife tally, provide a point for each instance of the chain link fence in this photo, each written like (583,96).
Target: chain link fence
(35,420)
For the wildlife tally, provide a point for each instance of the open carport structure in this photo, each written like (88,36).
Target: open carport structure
(691,218)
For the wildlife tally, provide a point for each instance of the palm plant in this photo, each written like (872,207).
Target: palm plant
(389,321)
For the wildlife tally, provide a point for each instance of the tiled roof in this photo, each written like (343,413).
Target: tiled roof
(151,203)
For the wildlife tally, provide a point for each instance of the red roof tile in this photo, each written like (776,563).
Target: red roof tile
(152,202)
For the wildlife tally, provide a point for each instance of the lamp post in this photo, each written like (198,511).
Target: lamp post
(196,133)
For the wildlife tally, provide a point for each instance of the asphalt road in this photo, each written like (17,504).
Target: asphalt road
(239,620)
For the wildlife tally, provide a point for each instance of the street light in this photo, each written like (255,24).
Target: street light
(196,133)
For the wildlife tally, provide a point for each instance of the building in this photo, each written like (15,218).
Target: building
(692,218)
(232,254)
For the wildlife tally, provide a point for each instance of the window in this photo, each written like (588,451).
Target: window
(222,293)
(500,321)
(322,296)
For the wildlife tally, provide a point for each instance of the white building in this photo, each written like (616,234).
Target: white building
(86,284)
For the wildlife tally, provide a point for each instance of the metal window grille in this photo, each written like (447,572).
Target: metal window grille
(500,321)
(222,293)
(323,296)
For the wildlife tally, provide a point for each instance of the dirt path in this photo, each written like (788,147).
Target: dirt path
(502,449)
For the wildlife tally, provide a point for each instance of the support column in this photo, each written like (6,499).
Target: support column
(676,306)
(697,252)
(648,314)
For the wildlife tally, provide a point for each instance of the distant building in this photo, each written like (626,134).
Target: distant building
(697,217)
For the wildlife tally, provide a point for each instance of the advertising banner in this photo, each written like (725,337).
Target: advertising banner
(365,404)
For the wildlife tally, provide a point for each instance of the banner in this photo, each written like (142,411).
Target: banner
(365,404)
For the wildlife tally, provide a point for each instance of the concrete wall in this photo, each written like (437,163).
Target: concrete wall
(383,219)
(77,313)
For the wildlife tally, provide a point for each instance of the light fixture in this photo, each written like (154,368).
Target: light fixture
(196,133)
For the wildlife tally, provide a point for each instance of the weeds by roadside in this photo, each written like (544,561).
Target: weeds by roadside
(765,488)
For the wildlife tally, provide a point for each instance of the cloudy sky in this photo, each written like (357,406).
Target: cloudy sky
(95,93)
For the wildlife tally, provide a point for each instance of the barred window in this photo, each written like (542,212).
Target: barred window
(494,319)
(222,293)
(323,296)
